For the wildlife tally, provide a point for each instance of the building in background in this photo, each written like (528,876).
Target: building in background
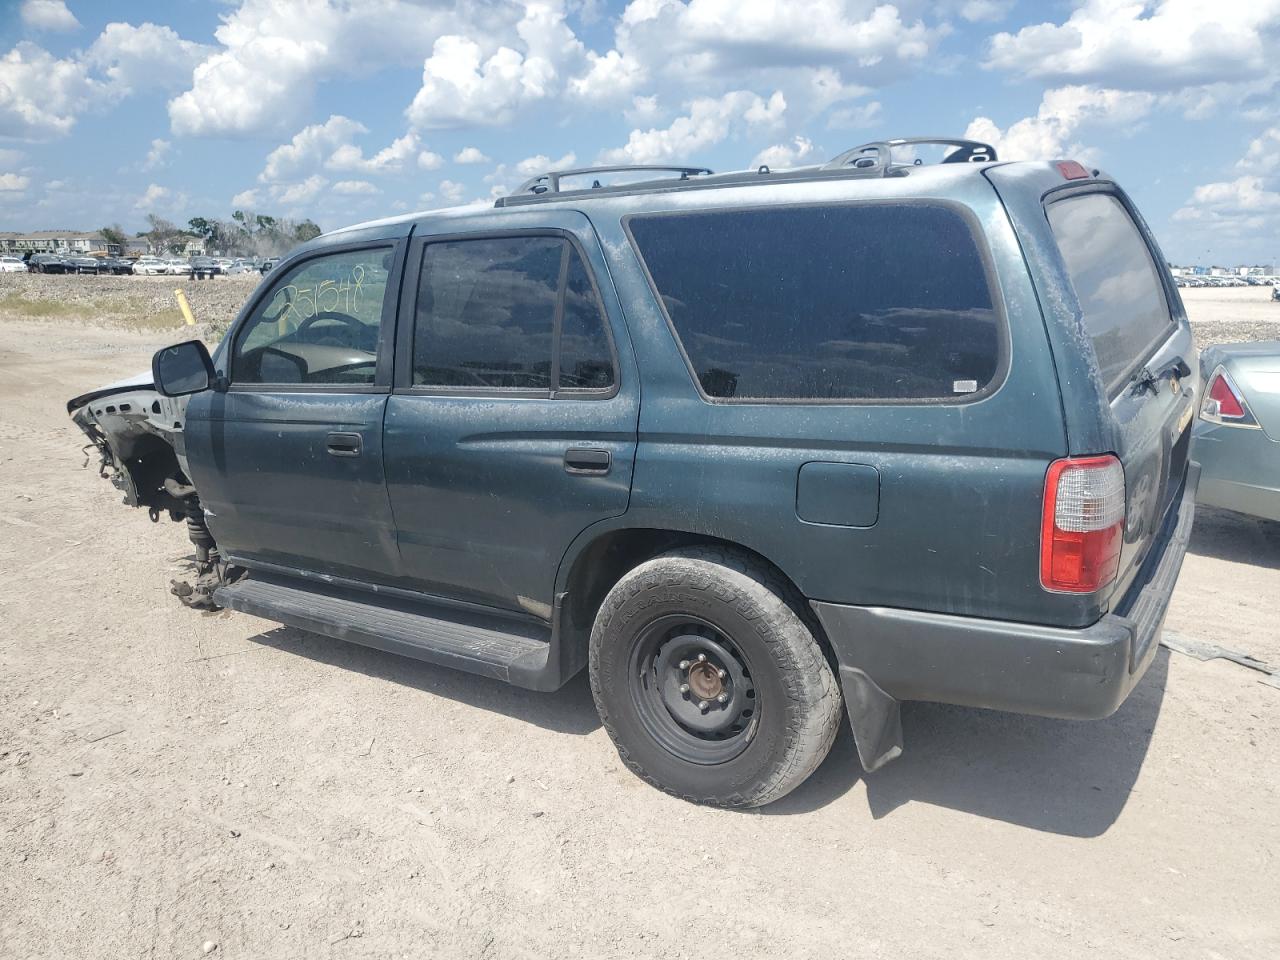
(67,242)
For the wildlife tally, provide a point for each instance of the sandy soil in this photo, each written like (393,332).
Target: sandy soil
(172,781)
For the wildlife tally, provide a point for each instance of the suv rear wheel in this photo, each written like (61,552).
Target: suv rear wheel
(709,682)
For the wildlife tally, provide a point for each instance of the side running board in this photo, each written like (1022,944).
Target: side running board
(515,651)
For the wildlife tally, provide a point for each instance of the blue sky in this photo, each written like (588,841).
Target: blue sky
(344,110)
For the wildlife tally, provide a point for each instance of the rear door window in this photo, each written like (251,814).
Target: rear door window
(509,313)
(870,301)
(1115,280)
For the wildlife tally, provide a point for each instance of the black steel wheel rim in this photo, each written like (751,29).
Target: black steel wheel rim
(692,689)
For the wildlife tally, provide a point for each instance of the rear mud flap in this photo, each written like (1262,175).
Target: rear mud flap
(876,719)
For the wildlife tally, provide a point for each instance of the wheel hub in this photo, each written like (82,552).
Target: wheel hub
(694,690)
(704,680)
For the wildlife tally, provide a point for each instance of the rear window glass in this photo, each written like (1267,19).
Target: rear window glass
(873,301)
(1115,280)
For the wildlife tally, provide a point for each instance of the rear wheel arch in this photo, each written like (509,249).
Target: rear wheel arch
(589,572)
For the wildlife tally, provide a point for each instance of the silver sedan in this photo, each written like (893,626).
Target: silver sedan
(1237,434)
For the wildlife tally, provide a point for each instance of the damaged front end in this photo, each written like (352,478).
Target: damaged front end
(137,434)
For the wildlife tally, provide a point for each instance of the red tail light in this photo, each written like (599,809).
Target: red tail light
(1224,404)
(1072,170)
(1082,529)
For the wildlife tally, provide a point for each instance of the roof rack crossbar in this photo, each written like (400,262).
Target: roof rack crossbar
(868,156)
(880,152)
(550,182)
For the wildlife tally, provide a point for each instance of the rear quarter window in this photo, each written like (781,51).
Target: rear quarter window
(1115,279)
(853,302)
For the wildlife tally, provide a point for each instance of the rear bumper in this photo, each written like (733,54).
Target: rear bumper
(1026,668)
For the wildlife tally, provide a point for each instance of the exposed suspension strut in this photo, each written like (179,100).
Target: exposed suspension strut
(211,570)
(198,531)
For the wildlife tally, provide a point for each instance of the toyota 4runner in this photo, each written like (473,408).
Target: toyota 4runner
(746,447)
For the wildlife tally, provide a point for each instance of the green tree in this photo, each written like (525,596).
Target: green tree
(201,227)
(306,230)
(114,234)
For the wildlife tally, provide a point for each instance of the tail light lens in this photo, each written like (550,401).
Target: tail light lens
(1224,403)
(1082,529)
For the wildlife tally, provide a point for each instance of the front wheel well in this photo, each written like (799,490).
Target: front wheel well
(609,557)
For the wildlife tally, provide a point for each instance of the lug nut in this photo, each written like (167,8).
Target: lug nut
(702,658)
(684,664)
(684,688)
(704,706)
(722,674)
(723,698)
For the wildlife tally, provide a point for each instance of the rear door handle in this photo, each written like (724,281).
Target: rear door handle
(343,444)
(587,460)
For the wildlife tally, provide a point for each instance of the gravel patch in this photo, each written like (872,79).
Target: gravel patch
(137,303)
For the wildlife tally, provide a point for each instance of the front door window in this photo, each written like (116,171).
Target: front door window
(321,323)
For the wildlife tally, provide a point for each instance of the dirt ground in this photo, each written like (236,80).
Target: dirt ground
(176,784)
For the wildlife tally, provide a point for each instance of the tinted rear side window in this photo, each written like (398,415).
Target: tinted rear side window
(498,313)
(872,301)
(1115,280)
(486,311)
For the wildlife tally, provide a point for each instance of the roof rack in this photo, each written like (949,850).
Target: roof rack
(873,159)
(966,151)
(550,182)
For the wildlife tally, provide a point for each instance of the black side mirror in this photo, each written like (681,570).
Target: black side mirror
(182,369)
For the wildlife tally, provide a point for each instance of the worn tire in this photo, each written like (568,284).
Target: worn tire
(799,698)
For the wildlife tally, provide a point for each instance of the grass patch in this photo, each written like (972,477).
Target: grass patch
(15,303)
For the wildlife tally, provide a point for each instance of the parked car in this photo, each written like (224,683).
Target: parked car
(268,265)
(1237,435)
(242,266)
(115,265)
(48,263)
(177,267)
(150,266)
(84,265)
(204,268)
(12,265)
(845,483)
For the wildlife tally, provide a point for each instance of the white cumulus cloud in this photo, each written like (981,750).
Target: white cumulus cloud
(429,160)
(310,146)
(272,54)
(40,95)
(452,190)
(147,56)
(709,121)
(1161,45)
(157,154)
(355,187)
(1052,132)
(781,155)
(152,196)
(48,15)
(304,192)
(470,155)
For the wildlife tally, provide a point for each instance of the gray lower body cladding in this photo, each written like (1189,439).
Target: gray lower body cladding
(889,655)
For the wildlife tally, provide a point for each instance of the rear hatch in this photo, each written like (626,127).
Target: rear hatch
(1137,332)
(1122,345)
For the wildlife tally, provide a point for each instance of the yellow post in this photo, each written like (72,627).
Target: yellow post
(185,307)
